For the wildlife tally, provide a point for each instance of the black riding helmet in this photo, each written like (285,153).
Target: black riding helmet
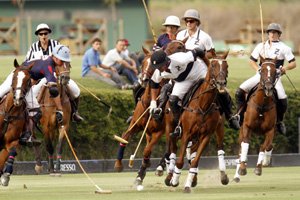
(158,59)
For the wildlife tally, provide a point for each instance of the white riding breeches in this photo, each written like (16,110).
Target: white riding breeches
(254,80)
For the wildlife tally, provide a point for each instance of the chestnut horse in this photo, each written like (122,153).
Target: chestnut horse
(13,116)
(199,120)
(52,130)
(260,118)
(155,128)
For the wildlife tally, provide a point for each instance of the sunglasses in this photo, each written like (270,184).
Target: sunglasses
(44,33)
(190,21)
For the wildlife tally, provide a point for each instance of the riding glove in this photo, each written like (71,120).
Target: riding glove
(152,106)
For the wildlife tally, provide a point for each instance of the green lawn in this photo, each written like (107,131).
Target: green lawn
(275,183)
(239,70)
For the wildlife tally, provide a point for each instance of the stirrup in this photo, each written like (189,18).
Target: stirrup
(76,117)
(177,132)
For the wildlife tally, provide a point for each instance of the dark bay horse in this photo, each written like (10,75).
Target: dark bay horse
(13,116)
(260,118)
(200,119)
(155,128)
(52,130)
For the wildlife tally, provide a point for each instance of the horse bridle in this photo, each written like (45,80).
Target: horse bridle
(268,80)
(23,90)
(214,78)
(63,75)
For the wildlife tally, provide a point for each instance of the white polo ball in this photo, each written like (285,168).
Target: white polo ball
(139,187)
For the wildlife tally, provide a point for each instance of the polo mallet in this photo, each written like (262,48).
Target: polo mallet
(131,160)
(100,100)
(99,190)
(149,20)
(119,139)
(291,83)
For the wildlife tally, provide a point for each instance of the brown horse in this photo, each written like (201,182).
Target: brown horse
(200,119)
(155,128)
(260,118)
(12,119)
(52,130)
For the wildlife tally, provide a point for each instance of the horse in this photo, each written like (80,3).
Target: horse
(259,118)
(201,117)
(13,115)
(155,128)
(50,127)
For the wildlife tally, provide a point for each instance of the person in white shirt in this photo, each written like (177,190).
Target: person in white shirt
(197,38)
(272,48)
(115,58)
(182,67)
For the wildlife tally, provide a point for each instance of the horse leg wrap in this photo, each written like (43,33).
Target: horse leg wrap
(238,163)
(10,161)
(222,165)
(190,178)
(267,158)
(172,162)
(244,151)
(142,172)
(261,157)
(121,151)
(188,151)
(176,175)
(58,162)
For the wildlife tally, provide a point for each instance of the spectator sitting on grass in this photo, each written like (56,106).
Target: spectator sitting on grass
(122,63)
(93,67)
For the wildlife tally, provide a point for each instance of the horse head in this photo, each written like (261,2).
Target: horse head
(176,46)
(63,73)
(268,75)
(21,82)
(218,71)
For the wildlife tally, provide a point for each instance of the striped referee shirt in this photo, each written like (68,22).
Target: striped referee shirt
(37,52)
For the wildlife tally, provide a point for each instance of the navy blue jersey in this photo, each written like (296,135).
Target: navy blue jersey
(42,68)
(163,40)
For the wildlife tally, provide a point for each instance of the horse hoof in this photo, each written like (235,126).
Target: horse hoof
(237,179)
(4,180)
(118,166)
(168,179)
(38,169)
(159,171)
(194,182)
(242,172)
(224,178)
(174,185)
(187,190)
(258,171)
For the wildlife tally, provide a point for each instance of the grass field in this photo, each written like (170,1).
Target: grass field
(239,71)
(276,183)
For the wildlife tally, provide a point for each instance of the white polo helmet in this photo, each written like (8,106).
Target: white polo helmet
(191,13)
(42,27)
(275,27)
(172,21)
(62,52)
